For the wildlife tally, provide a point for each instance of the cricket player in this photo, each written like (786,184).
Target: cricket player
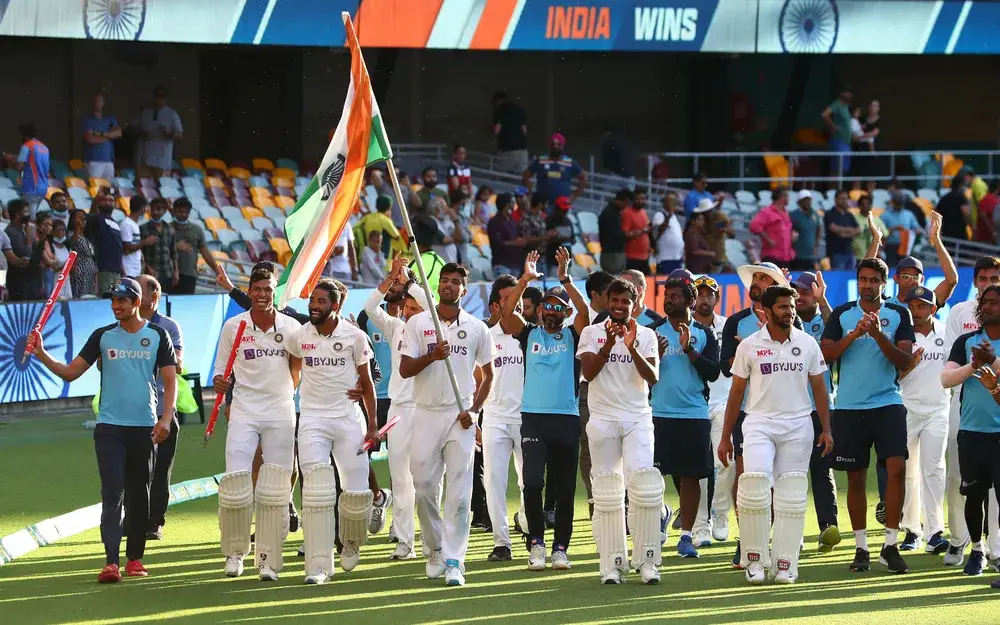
(335,357)
(775,369)
(597,292)
(620,360)
(413,302)
(263,412)
(443,439)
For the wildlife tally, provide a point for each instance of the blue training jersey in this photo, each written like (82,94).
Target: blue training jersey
(866,379)
(682,391)
(129,364)
(551,370)
(979,412)
(814,328)
(383,354)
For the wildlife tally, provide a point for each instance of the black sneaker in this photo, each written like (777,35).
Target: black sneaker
(500,554)
(892,560)
(293,517)
(976,564)
(880,512)
(737,556)
(862,561)
(155,533)
(550,519)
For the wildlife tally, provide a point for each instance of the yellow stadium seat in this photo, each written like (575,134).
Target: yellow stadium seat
(75,163)
(594,247)
(51,190)
(191,163)
(585,260)
(262,164)
(481,239)
(100,183)
(220,255)
(824,264)
(262,201)
(212,181)
(475,229)
(283,172)
(855,194)
(239,172)
(216,223)
(284,203)
(73,181)
(777,168)
(924,204)
(124,206)
(260,192)
(249,212)
(286,183)
(950,165)
(214,163)
(280,247)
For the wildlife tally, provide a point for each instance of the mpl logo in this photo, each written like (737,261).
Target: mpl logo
(764,353)
(308,346)
(430,333)
(970,326)
(247,339)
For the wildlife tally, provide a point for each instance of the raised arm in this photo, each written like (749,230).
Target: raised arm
(819,290)
(77,367)
(582,319)
(872,251)
(943,291)
(511,321)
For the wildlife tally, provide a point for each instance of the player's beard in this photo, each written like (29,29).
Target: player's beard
(322,318)
(703,310)
(552,323)
(755,293)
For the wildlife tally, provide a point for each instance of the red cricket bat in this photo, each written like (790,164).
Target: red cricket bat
(219,397)
(29,345)
(381,433)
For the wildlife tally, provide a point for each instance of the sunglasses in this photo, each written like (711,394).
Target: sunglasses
(554,307)
(706,281)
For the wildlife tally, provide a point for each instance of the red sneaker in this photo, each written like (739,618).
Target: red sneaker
(109,575)
(134,568)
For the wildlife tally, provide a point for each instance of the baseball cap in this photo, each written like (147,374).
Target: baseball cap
(562,203)
(558,136)
(909,262)
(806,280)
(921,293)
(804,194)
(125,287)
(681,274)
(557,292)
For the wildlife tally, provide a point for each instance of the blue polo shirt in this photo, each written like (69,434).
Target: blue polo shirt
(174,332)
(814,328)
(866,379)
(383,354)
(806,225)
(694,197)
(103,152)
(551,370)
(554,176)
(979,412)
(130,363)
(895,218)
(682,392)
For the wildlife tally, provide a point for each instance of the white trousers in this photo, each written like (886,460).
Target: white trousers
(439,446)
(340,435)
(500,441)
(722,500)
(956,502)
(399,471)
(276,440)
(777,446)
(621,447)
(101,170)
(926,440)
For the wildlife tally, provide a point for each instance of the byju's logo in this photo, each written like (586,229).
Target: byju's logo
(249,354)
(765,368)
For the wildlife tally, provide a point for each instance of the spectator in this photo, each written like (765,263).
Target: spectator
(18,256)
(458,171)
(892,187)
(159,126)
(33,163)
(837,117)
(98,133)
(977,189)
(774,227)
(506,244)
(554,173)
(863,241)
(698,253)
(720,229)
(635,224)
(427,235)
(59,252)
(870,127)
(986,226)
(841,228)
(343,262)
(898,221)
(159,245)
(481,210)
(83,276)
(41,253)
(60,207)
(510,127)
(106,235)
(956,212)
(378,221)
(668,236)
(6,256)
(430,189)
(699,192)
(373,260)
(611,233)
(559,232)
(132,242)
(189,241)
(808,231)
(533,227)
(448,225)
(616,155)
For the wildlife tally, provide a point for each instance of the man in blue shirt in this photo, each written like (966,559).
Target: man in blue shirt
(99,131)
(899,221)
(699,192)
(870,341)
(555,172)
(979,424)
(682,431)
(132,352)
(106,235)
(33,163)
(809,227)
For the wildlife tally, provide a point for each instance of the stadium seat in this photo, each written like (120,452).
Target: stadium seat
(239,184)
(585,260)
(166,182)
(281,250)
(198,202)
(745,197)
(231,212)
(204,212)
(197,174)
(481,240)
(588,222)
(283,172)
(284,183)
(220,255)
(75,163)
(215,224)
(262,201)
(273,233)
(171,193)
(123,183)
(289,164)
(259,182)
(238,224)
(241,255)
(273,212)
(124,205)
(261,223)
(83,204)
(78,193)
(191,163)
(928,194)
(214,183)
(73,181)
(5,183)
(594,248)
(50,191)
(735,252)
(279,223)
(285,192)
(249,212)
(239,172)
(124,193)
(100,183)
(285,203)
(149,194)
(260,250)
(215,164)
(262,164)
(227,238)
(777,168)
(251,235)
(118,215)
(6,195)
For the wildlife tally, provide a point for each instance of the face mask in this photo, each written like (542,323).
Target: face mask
(182,222)
(156,220)
(59,240)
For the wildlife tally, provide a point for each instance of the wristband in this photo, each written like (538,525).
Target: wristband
(566,281)
(995,390)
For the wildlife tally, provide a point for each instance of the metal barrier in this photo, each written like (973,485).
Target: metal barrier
(966,253)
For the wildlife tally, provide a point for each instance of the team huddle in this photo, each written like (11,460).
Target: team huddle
(751,410)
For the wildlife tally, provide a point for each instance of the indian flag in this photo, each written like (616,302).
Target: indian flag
(321,214)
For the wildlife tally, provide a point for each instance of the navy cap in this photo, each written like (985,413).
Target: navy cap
(921,293)
(909,262)
(681,274)
(126,287)
(557,292)
(806,280)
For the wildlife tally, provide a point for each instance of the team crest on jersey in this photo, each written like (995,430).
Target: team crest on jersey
(558,336)
(815,327)
(939,342)
(796,351)
(279,337)
(338,346)
(462,334)
(144,342)
(885,323)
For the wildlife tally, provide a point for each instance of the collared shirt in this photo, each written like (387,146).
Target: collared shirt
(682,392)
(718,391)
(106,235)
(162,255)
(187,262)
(554,176)
(551,370)
(619,393)
(777,225)
(738,328)
(866,377)
(329,368)
(103,152)
(176,338)
(471,347)
(504,404)
(815,328)
(158,151)
(922,389)
(899,218)
(979,412)
(835,243)
(35,176)
(399,389)
(636,248)
(264,388)
(693,198)
(778,373)
(131,262)
(501,229)
(806,225)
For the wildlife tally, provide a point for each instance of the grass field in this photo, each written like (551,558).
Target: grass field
(48,468)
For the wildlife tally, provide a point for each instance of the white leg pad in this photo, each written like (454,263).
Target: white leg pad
(609,522)
(753,500)
(235,512)
(355,513)
(273,494)
(645,504)
(319,522)
(789,520)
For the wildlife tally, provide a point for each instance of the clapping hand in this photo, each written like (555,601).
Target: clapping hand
(684,337)
(819,286)
(563,258)
(982,354)
(531,267)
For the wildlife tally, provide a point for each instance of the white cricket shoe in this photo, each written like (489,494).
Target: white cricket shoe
(377,521)
(266,574)
(650,574)
(783,577)
(702,538)
(392,532)
(403,551)
(720,527)
(756,573)
(317,577)
(234,565)
(560,561)
(955,555)
(435,565)
(536,558)
(616,576)
(349,557)
(425,550)
(453,574)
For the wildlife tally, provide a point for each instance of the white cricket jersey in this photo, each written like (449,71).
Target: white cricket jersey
(329,368)
(778,373)
(264,389)
(619,393)
(922,390)
(400,388)
(504,404)
(719,390)
(471,347)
